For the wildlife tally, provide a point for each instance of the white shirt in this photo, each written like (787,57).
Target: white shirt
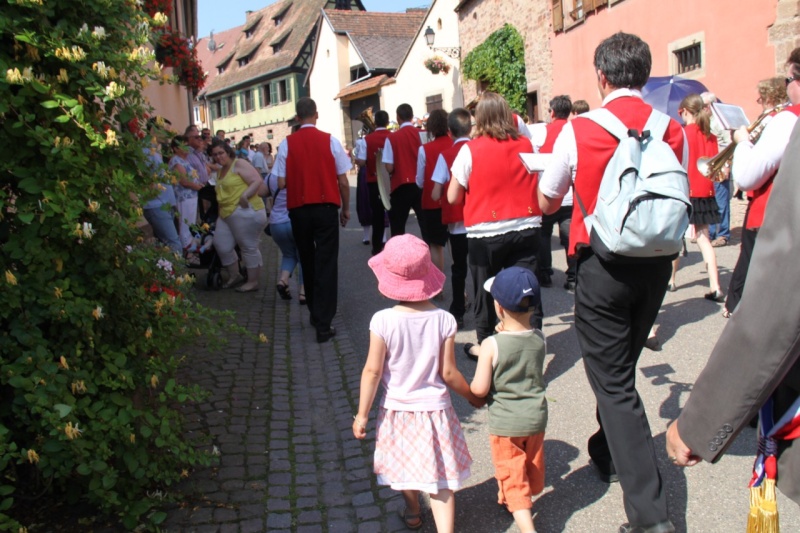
(260,162)
(343,163)
(388,155)
(754,164)
(441,175)
(360,150)
(460,171)
(557,178)
(421,162)
(522,127)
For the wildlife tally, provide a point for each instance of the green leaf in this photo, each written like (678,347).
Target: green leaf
(30,185)
(83,469)
(26,218)
(63,409)
(158,517)
(62,118)
(49,104)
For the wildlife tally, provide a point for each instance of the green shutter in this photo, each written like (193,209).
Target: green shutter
(258,92)
(289,89)
(273,92)
(241,102)
(224,107)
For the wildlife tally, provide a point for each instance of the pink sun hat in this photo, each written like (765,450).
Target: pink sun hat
(405,271)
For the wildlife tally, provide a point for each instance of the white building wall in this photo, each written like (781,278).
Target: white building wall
(326,80)
(414,82)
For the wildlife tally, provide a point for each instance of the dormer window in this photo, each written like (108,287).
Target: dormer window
(278,43)
(220,70)
(244,61)
(250,28)
(277,48)
(248,34)
(278,20)
(280,15)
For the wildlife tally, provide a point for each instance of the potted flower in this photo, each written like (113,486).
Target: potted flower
(437,64)
(174,50)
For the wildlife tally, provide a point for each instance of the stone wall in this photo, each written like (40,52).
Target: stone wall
(480,18)
(784,35)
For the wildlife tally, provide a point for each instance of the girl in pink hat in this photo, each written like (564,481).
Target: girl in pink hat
(419,445)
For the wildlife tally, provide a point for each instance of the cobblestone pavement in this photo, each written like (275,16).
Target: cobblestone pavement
(280,416)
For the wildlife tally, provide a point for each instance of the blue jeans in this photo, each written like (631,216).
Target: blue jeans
(282,235)
(163,223)
(722,191)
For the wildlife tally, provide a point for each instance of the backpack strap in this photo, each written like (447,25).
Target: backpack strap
(657,124)
(608,121)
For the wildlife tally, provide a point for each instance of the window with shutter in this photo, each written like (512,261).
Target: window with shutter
(558,16)
(591,5)
(224,107)
(273,93)
(242,103)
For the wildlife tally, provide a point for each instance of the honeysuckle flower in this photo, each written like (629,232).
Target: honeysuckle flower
(87,230)
(160,19)
(62,362)
(11,279)
(100,68)
(78,387)
(71,432)
(57,292)
(262,337)
(93,205)
(132,437)
(99,32)
(154,381)
(158,305)
(59,264)
(14,76)
(97,313)
(114,90)
(111,138)
(84,29)
(33,457)
(148,333)
(63,77)
(184,473)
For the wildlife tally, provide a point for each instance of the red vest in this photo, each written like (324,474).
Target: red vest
(699,146)
(405,148)
(375,141)
(432,151)
(499,187)
(310,169)
(595,148)
(758,205)
(553,129)
(451,213)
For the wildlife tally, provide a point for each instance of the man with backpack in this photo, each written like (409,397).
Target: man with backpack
(623,267)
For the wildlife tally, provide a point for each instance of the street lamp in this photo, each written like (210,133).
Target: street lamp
(430,37)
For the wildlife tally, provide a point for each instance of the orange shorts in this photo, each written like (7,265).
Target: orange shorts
(519,469)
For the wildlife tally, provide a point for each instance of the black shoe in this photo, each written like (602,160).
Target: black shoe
(661,527)
(569,286)
(604,475)
(652,343)
(545,280)
(715,296)
(460,322)
(468,351)
(326,335)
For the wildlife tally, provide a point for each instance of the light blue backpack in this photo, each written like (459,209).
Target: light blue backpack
(643,204)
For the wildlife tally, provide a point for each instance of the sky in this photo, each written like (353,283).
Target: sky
(218,15)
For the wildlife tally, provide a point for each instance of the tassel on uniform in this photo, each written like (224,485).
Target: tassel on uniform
(752,518)
(768,506)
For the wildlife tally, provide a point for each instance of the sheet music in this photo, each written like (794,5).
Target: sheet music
(731,117)
(536,162)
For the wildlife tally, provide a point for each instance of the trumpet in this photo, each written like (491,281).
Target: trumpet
(712,167)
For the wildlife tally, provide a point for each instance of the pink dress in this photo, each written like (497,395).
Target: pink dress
(419,444)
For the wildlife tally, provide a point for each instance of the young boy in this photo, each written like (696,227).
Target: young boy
(510,371)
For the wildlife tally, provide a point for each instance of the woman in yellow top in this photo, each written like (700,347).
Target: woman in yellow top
(242,216)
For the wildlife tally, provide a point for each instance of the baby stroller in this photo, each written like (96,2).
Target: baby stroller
(208,211)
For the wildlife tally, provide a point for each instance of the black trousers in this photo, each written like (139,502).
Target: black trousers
(615,306)
(739,276)
(490,255)
(316,233)
(458,273)
(404,199)
(378,217)
(562,218)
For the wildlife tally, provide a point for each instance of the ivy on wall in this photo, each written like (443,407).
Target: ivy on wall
(500,62)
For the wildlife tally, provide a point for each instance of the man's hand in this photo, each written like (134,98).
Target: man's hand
(677,451)
(741,135)
(344,217)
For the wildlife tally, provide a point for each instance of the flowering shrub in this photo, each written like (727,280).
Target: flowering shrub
(92,320)
(437,64)
(151,7)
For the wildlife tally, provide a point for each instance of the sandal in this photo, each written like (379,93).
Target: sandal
(715,296)
(726,314)
(412,521)
(283,290)
(301,298)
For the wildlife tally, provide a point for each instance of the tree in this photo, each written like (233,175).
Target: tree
(500,61)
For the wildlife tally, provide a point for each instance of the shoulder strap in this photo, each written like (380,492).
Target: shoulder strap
(657,124)
(608,121)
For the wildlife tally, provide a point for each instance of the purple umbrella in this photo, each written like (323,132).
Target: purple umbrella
(665,93)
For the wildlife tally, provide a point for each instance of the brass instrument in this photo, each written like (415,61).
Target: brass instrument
(368,121)
(713,167)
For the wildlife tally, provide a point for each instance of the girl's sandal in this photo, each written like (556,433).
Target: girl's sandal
(283,291)
(412,521)
(301,298)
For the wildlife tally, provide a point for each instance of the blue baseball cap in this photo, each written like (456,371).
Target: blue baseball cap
(511,285)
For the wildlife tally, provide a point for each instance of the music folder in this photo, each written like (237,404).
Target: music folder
(731,117)
(536,162)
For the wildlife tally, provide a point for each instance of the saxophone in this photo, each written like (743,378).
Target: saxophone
(368,121)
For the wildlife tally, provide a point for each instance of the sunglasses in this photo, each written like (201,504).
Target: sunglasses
(791,79)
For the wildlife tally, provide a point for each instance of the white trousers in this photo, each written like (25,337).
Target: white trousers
(187,215)
(243,227)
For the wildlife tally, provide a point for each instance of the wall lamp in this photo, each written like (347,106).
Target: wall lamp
(430,36)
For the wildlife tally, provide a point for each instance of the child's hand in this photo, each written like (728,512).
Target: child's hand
(359,429)
(499,328)
(477,402)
